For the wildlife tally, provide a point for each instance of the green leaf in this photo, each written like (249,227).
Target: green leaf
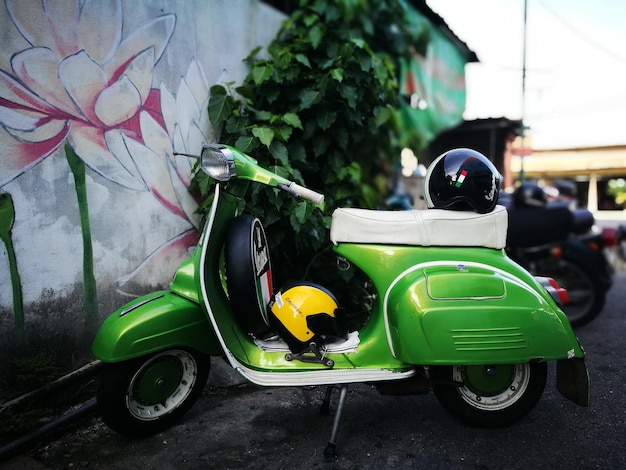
(245,144)
(304,60)
(217,90)
(220,108)
(297,152)
(381,115)
(310,19)
(252,54)
(262,115)
(279,152)
(325,118)
(261,73)
(245,92)
(358,42)
(293,120)
(350,94)
(234,124)
(301,211)
(320,145)
(308,98)
(264,134)
(365,60)
(283,132)
(342,137)
(337,74)
(315,36)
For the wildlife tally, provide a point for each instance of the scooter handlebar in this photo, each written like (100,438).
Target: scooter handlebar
(304,193)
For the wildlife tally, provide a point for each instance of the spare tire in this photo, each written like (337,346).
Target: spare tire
(248,273)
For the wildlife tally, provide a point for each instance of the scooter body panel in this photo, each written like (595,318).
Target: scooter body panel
(152,323)
(462,306)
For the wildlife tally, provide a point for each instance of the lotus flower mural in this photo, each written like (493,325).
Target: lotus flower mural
(84,91)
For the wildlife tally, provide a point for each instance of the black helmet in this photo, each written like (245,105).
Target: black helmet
(530,194)
(462,179)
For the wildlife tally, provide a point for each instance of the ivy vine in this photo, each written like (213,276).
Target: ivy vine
(320,109)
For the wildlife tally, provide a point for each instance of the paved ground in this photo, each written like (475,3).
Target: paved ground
(240,426)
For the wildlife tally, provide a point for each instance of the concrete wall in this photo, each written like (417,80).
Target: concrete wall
(118,85)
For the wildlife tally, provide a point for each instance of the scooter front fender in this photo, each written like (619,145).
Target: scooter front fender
(152,323)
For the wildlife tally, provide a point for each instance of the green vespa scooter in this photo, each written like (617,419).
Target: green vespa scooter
(451,312)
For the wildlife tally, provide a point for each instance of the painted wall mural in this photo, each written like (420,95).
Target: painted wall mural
(95,98)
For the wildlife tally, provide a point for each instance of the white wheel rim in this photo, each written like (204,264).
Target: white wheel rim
(500,399)
(148,410)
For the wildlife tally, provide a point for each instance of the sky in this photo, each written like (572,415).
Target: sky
(575,86)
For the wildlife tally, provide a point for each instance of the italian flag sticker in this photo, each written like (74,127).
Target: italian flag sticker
(461,178)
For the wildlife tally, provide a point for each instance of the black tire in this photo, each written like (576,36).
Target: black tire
(490,396)
(586,293)
(147,395)
(248,273)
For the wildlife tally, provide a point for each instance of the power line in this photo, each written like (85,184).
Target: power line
(585,37)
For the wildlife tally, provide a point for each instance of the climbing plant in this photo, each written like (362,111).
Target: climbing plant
(319,107)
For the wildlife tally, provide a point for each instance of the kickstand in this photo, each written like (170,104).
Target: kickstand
(330,452)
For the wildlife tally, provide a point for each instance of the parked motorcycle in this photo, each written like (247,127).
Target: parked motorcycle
(452,313)
(552,239)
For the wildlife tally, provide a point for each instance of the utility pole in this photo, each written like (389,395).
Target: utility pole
(522,175)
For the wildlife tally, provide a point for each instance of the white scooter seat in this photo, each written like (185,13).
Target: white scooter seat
(427,227)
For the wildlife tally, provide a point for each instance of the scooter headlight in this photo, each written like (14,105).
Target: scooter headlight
(218,162)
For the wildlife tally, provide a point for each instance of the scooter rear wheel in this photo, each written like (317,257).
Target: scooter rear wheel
(147,395)
(490,396)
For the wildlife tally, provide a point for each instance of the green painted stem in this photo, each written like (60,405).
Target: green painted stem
(89,280)
(7,217)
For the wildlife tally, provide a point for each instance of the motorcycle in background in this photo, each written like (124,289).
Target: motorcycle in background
(551,238)
(451,311)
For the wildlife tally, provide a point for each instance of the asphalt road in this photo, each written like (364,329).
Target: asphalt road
(241,426)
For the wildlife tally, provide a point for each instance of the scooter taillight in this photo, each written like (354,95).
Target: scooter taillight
(609,237)
(558,293)
(561,292)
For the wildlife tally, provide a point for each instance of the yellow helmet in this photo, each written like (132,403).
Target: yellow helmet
(305,313)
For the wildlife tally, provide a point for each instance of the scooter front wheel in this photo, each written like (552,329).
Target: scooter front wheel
(490,396)
(147,395)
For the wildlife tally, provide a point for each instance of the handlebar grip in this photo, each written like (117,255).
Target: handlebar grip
(305,193)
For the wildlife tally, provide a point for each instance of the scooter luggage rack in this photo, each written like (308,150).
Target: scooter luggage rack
(312,354)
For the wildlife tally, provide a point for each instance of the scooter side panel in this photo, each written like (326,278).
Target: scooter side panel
(151,323)
(472,314)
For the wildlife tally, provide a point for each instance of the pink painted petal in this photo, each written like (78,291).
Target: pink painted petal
(45,130)
(197,83)
(150,106)
(157,269)
(168,108)
(83,79)
(14,95)
(37,69)
(89,144)
(139,72)
(18,157)
(48,24)
(155,172)
(115,140)
(187,108)
(155,33)
(100,28)
(184,165)
(185,200)
(118,103)
(155,136)
(20,119)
